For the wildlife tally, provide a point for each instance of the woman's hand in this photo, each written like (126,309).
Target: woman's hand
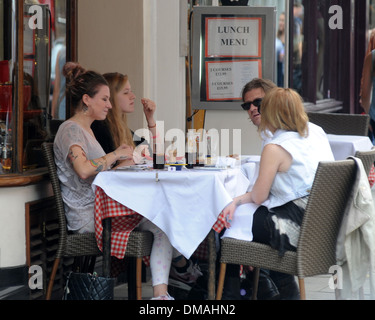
(149,108)
(124,155)
(228,214)
(231,208)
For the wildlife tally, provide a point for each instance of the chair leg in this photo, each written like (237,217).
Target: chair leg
(52,278)
(92,264)
(302,290)
(220,285)
(255,283)
(211,265)
(139,278)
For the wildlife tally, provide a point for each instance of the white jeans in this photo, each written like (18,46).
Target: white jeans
(162,253)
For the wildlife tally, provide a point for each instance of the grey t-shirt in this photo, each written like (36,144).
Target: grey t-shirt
(77,194)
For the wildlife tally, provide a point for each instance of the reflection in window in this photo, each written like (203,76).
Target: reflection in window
(58,109)
(7,62)
(43,52)
(37,70)
(298,15)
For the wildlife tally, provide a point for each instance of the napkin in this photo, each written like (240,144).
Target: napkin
(225,162)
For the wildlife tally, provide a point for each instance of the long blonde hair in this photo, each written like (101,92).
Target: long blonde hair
(116,118)
(283,109)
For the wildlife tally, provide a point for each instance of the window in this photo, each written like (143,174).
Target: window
(25,124)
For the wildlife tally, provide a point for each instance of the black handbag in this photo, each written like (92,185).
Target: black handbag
(87,286)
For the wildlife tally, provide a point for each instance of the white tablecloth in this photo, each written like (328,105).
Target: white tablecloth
(344,146)
(184,204)
(241,226)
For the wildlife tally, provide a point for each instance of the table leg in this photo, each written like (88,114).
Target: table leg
(132,274)
(107,226)
(211,265)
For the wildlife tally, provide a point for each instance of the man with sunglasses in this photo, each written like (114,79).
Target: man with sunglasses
(272,285)
(252,95)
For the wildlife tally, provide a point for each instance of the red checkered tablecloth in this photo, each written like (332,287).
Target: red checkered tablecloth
(124,220)
(371,177)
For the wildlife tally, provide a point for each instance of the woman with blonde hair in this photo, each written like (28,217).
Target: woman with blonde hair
(288,164)
(114,130)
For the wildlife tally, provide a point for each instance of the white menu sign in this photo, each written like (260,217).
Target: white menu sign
(233,37)
(226,79)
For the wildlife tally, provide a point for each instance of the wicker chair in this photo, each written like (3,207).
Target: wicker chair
(79,245)
(368,158)
(341,123)
(317,241)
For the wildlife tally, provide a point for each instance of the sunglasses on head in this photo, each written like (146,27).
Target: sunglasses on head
(256,103)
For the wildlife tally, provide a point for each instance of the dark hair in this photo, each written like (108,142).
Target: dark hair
(80,82)
(257,83)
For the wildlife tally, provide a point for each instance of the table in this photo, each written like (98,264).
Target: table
(344,146)
(185,204)
(241,226)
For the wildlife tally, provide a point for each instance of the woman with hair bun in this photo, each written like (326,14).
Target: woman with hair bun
(79,157)
(114,131)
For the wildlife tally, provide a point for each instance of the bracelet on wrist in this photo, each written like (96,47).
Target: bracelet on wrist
(151,127)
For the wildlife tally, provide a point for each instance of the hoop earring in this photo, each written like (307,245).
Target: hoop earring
(85,109)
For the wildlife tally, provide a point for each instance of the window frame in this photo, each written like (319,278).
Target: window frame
(343,57)
(18,176)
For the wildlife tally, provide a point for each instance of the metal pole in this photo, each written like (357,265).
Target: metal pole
(287,41)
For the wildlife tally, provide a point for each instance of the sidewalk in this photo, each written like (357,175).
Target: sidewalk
(317,288)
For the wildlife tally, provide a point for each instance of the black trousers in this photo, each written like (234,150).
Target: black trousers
(261,234)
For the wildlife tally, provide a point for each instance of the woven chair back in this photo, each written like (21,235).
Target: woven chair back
(328,199)
(340,123)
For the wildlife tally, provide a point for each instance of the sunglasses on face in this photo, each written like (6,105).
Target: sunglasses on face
(256,103)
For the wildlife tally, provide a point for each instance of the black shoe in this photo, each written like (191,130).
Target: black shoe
(267,290)
(289,291)
(288,287)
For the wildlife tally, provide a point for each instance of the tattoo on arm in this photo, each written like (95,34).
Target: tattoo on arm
(73,157)
(97,165)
